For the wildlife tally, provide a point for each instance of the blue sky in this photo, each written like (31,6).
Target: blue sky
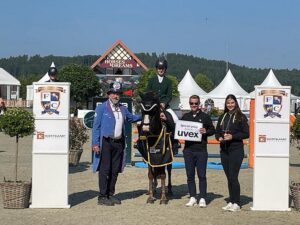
(256,33)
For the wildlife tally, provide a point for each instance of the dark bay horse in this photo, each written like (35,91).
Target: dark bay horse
(154,144)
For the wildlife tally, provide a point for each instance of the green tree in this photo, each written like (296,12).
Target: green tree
(84,83)
(17,122)
(204,82)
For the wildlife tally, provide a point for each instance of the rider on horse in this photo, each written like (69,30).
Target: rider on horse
(162,86)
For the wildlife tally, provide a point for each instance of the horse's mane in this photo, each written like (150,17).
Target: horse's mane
(149,96)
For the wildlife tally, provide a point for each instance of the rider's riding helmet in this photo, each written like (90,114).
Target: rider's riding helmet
(161,63)
(52,71)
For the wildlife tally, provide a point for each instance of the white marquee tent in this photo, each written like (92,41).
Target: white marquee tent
(229,86)
(9,85)
(271,81)
(187,87)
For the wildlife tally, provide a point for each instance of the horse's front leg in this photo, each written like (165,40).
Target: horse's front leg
(169,169)
(150,191)
(163,198)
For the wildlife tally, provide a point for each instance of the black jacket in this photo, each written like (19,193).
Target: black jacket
(201,117)
(238,128)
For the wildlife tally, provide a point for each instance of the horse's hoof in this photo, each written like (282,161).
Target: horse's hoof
(150,201)
(163,202)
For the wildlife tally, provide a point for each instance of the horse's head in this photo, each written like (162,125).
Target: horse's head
(150,113)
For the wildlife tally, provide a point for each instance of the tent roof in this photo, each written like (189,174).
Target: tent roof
(7,79)
(269,81)
(188,86)
(228,86)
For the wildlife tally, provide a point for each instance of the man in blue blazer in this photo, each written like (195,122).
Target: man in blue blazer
(108,143)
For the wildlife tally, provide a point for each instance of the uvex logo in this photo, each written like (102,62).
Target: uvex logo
(187,134)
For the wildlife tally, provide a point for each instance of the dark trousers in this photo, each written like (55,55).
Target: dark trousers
(110,164)
(196,159)
(231,161)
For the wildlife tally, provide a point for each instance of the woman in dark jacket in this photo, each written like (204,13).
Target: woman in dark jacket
(231,129)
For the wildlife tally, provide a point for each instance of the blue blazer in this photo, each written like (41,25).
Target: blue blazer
(104,126)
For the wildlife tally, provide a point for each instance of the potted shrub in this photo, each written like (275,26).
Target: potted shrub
(295,131)
(78,137)
(16,122)
(295,187)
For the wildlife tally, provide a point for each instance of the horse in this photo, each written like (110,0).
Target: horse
(154,144)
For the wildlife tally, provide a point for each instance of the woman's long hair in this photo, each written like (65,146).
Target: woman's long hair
(237,110)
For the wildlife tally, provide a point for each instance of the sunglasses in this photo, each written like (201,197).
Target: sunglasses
(194,103)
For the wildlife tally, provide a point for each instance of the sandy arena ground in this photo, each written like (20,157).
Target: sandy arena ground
(131,189)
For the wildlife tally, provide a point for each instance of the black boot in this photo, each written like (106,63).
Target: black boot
(103,200)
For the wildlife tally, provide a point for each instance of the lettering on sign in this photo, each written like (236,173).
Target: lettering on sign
(118,63)
(264,138)
(188,131)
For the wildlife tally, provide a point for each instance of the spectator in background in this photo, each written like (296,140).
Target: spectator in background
(2,106)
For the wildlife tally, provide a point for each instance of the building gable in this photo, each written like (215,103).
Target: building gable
(118,58)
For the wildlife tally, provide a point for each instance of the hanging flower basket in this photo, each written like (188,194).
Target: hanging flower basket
(295,192)
(15,195)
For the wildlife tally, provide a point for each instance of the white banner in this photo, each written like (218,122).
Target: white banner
(187,130)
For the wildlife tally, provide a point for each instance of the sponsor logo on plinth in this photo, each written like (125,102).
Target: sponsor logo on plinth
(50,99)
(272,102)
(43,135)
(263,138)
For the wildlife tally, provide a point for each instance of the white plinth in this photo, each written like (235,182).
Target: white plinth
(50,189)
(271,184)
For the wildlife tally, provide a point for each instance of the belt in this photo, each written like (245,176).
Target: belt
(113,139)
